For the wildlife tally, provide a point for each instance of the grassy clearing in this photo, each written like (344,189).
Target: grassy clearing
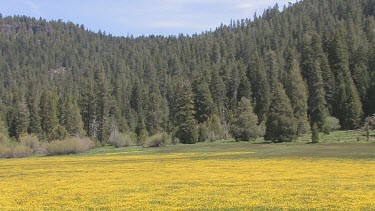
(208,176)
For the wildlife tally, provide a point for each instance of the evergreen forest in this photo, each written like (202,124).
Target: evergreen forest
(276,75)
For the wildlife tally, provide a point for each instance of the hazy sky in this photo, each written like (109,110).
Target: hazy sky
(141,17)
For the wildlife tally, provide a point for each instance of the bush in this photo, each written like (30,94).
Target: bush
(32,142)
(69,146)
(333,123)
(21,151)
(5,151)
(15,151)
(118,139)
(4,139)
(158,140)
(175,140)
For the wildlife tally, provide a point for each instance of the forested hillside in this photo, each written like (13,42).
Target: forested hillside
(276,75)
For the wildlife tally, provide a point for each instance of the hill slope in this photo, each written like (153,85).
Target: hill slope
(313,60)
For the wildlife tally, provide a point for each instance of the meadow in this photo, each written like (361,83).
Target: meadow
(207,176)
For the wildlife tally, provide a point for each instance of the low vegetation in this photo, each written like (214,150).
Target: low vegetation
(118,139)
(72,145)
(206,176)
(158,140)
(30,145)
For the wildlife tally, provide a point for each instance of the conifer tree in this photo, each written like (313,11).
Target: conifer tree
(48,112)
(217,87)
(70,116)
(314,134)
(349,106)
(102,107)
(186,127)
(313,73)
(297,93)
(244,88)
(245,124)
(88,107)
(22,119)
(319,58)
(34,126)
(281,125)
(157,113)
(141,132)
(273,70)
(261,87)
(204,105)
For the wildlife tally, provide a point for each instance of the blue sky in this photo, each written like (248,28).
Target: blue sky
(141,17)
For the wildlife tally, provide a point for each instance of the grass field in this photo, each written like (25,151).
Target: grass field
(206,176)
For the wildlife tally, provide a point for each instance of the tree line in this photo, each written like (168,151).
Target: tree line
(276,75)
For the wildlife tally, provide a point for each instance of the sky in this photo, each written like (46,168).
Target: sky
(141,17)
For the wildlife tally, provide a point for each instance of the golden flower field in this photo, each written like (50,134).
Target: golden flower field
(197,180)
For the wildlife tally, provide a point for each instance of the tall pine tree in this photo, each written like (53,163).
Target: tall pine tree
(281,123)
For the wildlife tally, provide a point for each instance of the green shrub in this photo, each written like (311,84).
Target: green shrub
(333,123)
(158,140)
(118,139)
(71,145)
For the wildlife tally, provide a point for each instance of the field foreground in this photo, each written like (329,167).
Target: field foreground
(234,177)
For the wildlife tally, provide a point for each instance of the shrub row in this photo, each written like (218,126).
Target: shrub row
(72,145)
(30,144)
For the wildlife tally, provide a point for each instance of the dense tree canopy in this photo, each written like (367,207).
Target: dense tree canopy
(315,58)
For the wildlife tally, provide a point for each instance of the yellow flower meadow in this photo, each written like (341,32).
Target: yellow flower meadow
(186,181)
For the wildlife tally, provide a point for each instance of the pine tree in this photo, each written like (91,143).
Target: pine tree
(245,124)
(217,87)
(319,58)
(297,93)
(88,107)
(22,119)
(34,126)
(281,125)
(48,112)
(360,72)
(313,73)
(348,104)
(244,88)
(184,116)
(314,134)
(204,105)
(232,86)
(261,88)
(141,132)
(273,70)
(70,116)
(157,113)
(102,107)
